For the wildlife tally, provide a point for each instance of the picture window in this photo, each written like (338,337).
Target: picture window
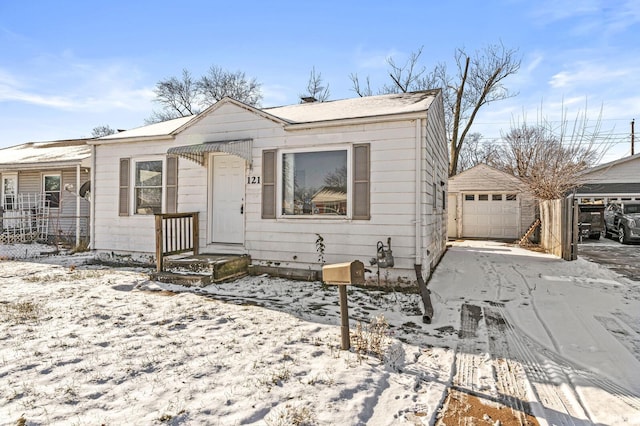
(315,183)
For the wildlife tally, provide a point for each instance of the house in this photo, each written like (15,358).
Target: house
(617,180)
(485,202)
(269,183)
(39,192)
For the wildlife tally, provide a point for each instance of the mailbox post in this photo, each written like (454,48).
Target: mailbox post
(343,274)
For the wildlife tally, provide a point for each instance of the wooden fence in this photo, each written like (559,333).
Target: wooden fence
(559,227)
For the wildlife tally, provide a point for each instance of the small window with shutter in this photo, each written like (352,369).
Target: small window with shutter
(141,186)
(148,187)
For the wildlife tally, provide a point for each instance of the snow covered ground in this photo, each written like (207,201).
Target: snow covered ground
(89,345)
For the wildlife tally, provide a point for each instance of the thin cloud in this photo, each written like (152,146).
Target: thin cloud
(585,73)
(550,11)
(588,18)
(373,59)
(78,86)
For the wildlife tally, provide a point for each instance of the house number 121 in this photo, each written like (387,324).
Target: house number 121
(251,180)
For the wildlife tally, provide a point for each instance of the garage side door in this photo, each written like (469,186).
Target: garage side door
(490,216)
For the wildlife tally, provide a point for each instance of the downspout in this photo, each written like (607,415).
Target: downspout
(77,205)
(418,192)
(92,200)
(424,291)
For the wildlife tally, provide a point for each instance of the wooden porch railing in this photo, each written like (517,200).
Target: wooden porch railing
(175,233)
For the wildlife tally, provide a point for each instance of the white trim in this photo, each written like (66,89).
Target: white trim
(279,186)
(418,193)
(78,171)
(92,200)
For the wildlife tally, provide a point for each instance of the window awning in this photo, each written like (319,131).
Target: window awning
(238,147)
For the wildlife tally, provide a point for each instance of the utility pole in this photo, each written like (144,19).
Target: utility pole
(633,136)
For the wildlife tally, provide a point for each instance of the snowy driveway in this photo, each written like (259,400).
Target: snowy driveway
(526,337)
(622,258)
(562,338)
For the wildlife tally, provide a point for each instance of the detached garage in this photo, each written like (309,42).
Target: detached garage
(487,203)
(615,181)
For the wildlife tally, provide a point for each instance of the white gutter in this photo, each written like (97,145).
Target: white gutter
(355,121)
(77,206)
(92,200)
(418,192)
(40,165)
(131,139)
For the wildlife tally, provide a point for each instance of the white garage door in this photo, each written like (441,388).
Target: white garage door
(490,215)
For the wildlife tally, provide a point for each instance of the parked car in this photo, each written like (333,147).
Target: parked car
(591,220)
(623,219)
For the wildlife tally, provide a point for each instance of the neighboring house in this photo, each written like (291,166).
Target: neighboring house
(40,183)
(614,181)
(485,202)
(268,182)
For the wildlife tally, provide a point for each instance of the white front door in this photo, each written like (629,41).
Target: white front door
(227,215)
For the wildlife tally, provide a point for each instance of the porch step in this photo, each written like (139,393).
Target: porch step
(202,269)
(186,280)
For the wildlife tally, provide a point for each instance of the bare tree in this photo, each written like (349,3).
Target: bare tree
(476,151)
(478,81)
(219,83)
(548,157)
(179,97)
(407,77)
(184,96)
(315,88)
(361,91)
(100,131)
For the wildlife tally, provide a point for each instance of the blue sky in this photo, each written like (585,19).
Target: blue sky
(69,66)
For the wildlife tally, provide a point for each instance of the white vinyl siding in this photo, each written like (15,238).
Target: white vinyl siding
(389,182)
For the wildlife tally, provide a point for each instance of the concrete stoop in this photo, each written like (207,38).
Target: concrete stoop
(202,270)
